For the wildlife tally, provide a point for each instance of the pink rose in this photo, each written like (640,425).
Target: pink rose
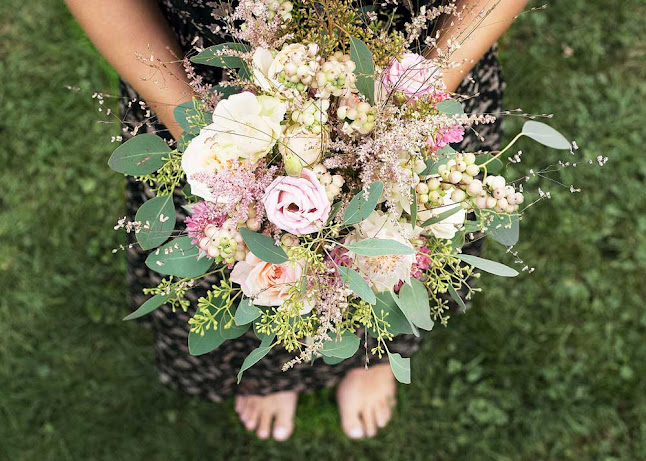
(297,205)
(414,75)
(265,283)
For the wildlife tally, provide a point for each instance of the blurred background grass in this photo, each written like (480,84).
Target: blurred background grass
(546,366)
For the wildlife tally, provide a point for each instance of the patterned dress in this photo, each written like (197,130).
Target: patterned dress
(213,375)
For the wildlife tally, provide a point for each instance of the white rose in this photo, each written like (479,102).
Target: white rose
(262,59)
(245,128)
(384,272)
(446,228)
(308,147)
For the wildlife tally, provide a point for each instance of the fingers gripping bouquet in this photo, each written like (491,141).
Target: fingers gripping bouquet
(323,189)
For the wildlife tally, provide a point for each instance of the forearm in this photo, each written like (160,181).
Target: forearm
(121,29)
(482,23)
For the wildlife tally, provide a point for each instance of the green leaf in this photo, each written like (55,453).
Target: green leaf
(357,284)
(399,324)
(360,207)
(456,297)
(332,360)
(144,154)
(178,257)
(487,265)
(545,135)
(503,228)
(185,138)
(442,216)
(210,56)
(493,167)
(413,302)
(263,246)
(380,247)
(212,339)
(450,107)
(413,206)
(458,239)
(246,312)
(256,355)
(334,211)
(149,306)
(190,115)
(400,367)
(158,214)
(342,347)
(365,69)
(226,91)
(445,154)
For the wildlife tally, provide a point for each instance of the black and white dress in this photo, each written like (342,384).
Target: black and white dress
(213,375)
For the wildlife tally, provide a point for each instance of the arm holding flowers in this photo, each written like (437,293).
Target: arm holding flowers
(482,23)
(121,29)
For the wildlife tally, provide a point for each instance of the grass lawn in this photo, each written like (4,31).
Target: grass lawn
(546,366)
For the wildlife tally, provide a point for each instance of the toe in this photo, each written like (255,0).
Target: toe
(264,424)
(382,414)
(351,424)
(250,414)
(284,423)
(369,422)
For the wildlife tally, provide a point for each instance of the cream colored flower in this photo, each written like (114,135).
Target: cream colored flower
(446,228)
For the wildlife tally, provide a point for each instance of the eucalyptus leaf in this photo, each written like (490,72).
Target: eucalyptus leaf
(210,56)
(363,204)
(357,284)
(546,135)
(263,246)
(178,257)
(365,69)
(380,247)
(149,306)
(487,265)
(226,91)
(386,306)
(413,302)
(212,339)
(246,312)
(442,216)
(400,367)
(503,228)
(256,355)
(141,155)
(456,297)
(494,167)
(189,115)
(450,107)
(157,216)
(342,347)
(445,154)
(413,206)
(332,360)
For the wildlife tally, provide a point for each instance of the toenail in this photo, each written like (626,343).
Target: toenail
(263,434)
(280,433)
(355,433)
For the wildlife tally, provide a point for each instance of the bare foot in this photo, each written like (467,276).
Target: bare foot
(257,412)
(366,398)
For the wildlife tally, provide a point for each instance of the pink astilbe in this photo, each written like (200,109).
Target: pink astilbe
(445,136)
(204,214)
(239,189)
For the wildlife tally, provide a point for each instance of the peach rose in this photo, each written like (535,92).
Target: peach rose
(265,283)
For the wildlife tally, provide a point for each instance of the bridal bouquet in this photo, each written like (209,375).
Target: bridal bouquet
(322,187)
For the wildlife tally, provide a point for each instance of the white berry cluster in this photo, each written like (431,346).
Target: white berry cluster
(283,9)
(312,115)
(301,67)
(223,244)
(332,183)
(357,116)
(335,76)
(458,176)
